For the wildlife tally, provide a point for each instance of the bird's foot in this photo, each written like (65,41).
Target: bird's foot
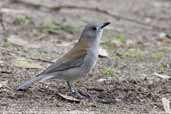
(77,95)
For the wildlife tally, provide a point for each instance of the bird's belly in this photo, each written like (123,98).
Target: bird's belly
(75,73)
(71,74)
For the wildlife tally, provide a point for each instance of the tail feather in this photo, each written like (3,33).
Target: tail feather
(28,83)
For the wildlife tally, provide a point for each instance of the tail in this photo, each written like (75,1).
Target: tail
(28,83)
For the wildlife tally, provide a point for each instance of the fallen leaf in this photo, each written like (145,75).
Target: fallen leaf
(102,80)
(103,53)
(162,76)
(26,63)
(68,98)
(166,105)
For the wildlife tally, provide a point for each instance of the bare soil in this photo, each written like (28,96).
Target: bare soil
(123,83)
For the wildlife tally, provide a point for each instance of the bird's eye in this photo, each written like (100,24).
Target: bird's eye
(94,28)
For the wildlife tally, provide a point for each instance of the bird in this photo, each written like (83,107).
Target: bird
(77,62)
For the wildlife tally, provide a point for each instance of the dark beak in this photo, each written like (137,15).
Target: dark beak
(104,24)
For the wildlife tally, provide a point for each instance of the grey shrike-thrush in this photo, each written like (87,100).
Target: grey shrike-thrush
(77,63)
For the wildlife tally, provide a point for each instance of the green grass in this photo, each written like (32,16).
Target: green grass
(121,38)
(108,71)
(161,68)
(115,58)
(134,53)
(157,55)
(23,20)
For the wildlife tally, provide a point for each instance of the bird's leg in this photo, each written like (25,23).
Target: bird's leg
(74,92)
(70,87)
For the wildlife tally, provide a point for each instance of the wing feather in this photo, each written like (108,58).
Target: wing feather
(74,58)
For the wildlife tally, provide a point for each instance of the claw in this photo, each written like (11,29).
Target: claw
(74,93)
(77,95)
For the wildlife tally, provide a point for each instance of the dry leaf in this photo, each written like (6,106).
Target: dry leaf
(161,75)
(26,63)
(68,98)
(103,53)
(166,105)
(102,80)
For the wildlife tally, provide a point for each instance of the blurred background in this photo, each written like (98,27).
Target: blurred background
(136,49)
(135,19)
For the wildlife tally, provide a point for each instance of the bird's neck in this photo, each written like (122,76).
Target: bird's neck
(89,44)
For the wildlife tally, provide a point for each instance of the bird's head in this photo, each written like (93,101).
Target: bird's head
(92,32)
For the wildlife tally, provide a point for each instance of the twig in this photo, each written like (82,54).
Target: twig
(41,60)
(96,9)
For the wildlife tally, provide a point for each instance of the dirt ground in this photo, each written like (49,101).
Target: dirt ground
(38,32)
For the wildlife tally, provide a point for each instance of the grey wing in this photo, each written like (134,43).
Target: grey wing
(58,66)
(64,66)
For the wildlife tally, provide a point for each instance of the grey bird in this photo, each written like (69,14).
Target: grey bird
(75,64)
